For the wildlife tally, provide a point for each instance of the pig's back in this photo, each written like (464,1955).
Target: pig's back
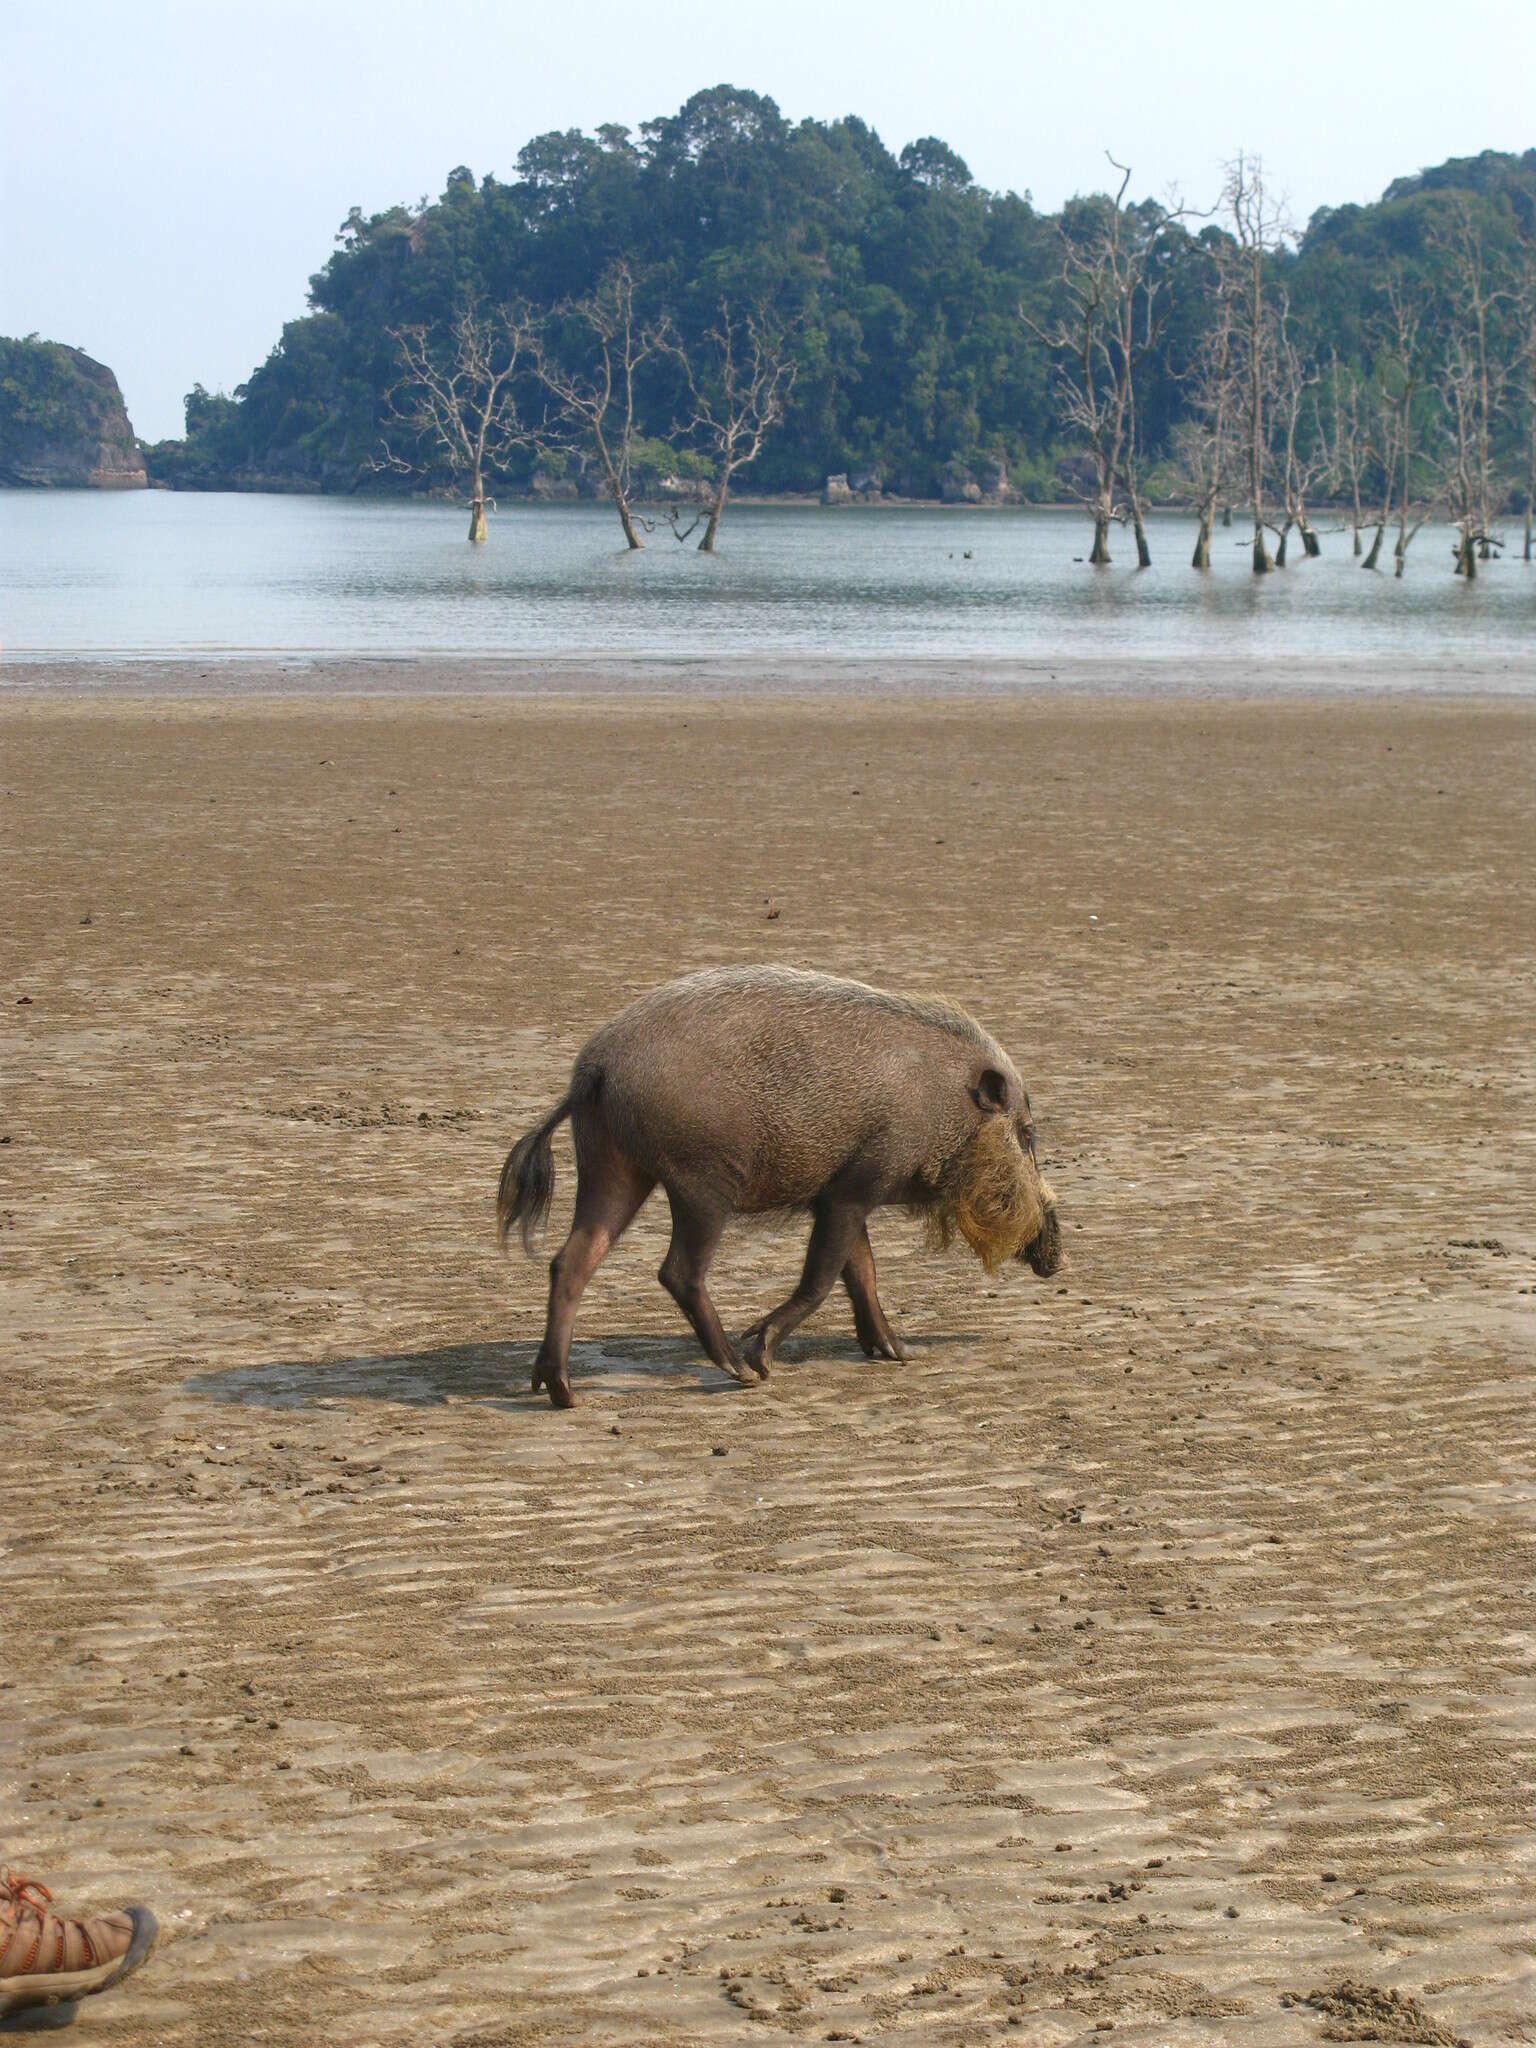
(764,1082)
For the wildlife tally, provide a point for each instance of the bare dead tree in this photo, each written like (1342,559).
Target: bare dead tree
(1400,375)
(1202,440)
(1382,437)
(1472,387)
(1117,305)
(680,532)
(739,389)
(592,380)
(1258,227)
(455,400)
(1462,472)
(1093,400)
(1348,441)
(1297,467)
(1146,323)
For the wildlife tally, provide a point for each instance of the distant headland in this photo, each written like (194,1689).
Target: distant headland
(63,421)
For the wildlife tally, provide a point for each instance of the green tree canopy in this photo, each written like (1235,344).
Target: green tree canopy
(901,280)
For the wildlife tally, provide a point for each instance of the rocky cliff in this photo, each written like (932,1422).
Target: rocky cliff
(62,420)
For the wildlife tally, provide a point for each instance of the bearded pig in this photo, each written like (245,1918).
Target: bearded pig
(741,1090)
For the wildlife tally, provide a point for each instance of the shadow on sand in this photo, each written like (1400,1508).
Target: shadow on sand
(499,1374)
(40,2019)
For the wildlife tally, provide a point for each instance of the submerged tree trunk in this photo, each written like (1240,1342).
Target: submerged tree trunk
(626,520)
(1311,545)
(1375,554)
(1401,549)
(477,512)
(1100,555)
(1226,515)
(1466,555)
(1255,439)
(1285,534)
(1201,558)
(1143,552)
(717,507)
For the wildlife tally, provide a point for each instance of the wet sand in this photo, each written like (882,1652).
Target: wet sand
(1151,1654)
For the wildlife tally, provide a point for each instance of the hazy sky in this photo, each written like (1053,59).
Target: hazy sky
(173,170)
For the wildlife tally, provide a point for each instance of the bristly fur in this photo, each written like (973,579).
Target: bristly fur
(837,992)
(990,1194)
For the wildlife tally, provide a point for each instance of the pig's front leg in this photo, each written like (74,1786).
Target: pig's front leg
(876,1337)
(839,1225)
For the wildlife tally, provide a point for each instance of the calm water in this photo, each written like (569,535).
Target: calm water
(130,575)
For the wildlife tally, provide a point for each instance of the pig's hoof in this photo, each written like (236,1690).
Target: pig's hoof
(740,1369)
(558,1383)
(876,1342)
(754,1350)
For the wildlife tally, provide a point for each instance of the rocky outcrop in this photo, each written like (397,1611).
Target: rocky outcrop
(957,486)
(981,481)
(62,420)
(836,491)
(991,474)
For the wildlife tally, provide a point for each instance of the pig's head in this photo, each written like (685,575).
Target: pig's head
(991,1192)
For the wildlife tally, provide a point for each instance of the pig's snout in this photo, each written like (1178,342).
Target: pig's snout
(1043,1252)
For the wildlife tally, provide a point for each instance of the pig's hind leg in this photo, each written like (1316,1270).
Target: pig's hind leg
(876,1337)
(610,1190)
(697,1227)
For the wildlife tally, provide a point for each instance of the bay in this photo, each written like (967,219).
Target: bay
(125,577)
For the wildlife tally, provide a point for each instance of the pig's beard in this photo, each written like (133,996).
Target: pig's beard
(991,1194)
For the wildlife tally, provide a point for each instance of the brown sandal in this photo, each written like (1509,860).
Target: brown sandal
(45,1958)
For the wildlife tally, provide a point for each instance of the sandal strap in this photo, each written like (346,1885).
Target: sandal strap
(37,1941)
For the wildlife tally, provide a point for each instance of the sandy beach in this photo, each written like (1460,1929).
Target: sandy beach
(1152,1654)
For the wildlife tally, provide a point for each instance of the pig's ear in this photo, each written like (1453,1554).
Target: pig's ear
(992,1089)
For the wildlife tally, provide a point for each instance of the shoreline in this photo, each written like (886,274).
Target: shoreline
(876,501)
(287,676)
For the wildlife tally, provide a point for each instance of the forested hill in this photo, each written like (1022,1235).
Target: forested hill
(62,419)
(913,297)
